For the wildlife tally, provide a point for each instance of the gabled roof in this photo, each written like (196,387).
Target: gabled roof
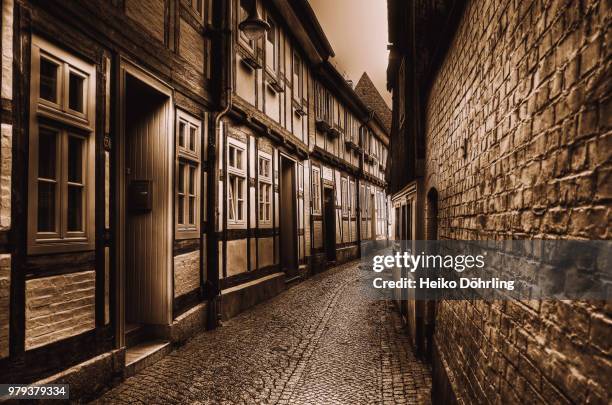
(371,97)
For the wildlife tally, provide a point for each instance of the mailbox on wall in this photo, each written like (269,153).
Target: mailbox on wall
(140,196)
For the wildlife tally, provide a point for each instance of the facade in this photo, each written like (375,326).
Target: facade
(349,203)
(160,171)
(504,134)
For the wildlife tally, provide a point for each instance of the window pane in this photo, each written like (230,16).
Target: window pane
(47,153)
(230,195)
(238,159)
(182,134)
(46,207)
(192,210)
(232,157)
(181,209)
(75,90)
(75,159)
(192,138)
(75,208)
(239,184)
(192,180)
(181,178)
(48,80)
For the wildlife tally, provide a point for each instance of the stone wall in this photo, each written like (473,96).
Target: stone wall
(518,125)
(186,273)
(58,307)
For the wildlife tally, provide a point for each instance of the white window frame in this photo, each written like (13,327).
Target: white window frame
(59,117)
(188,157)
(316,190)
(233,194)
(265,184)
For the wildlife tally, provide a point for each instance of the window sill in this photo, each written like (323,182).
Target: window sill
(42,247)
(186,234)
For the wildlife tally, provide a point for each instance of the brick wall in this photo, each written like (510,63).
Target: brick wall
(186,273)
(524,85)
(5,292)
(58,307)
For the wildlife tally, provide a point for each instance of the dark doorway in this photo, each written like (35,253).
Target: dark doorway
(288,217)
(330,223)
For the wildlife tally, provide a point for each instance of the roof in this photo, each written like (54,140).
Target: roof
(369,94)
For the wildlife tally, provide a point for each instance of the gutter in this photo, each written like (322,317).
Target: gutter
(212,201)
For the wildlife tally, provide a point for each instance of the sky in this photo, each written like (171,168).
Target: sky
(357,31)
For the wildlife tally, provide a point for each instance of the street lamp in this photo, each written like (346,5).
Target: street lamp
(253,26)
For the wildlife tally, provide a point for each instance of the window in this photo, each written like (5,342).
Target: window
(316,190)
(297,77)
(353,198)
(265,188)
(236,183)
(61,167)
(272,47)
(188,146)
(345,197)
(202,8)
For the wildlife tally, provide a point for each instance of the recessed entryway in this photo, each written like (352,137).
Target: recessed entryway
(288,217)
(145,209)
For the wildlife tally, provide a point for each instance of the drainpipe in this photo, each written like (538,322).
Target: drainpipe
(358,182)
(212,202)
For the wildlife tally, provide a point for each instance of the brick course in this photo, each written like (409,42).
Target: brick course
(525,86)
(58,307)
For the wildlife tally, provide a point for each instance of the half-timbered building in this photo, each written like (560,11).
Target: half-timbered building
(162,170)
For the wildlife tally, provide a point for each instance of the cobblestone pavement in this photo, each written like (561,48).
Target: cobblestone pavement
(319,342)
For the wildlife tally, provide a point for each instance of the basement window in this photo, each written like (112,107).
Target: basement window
(61,183)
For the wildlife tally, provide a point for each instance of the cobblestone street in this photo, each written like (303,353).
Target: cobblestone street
(320,342)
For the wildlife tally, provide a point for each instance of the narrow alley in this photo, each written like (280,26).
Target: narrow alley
(318,342)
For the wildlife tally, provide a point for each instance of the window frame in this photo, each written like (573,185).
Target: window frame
(345,197)
(266,181)
(316,190)
(59,117)
(238,173)
(299,94)
(189,158)
(274,29)
(353,197)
